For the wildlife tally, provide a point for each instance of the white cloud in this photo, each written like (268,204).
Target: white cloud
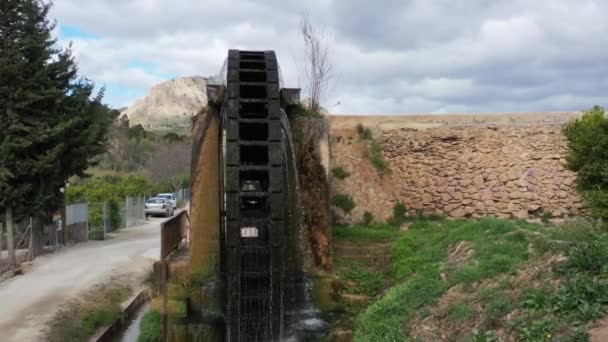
(389,57)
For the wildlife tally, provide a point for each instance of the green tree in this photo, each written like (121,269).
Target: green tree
(51,122)
(588,155)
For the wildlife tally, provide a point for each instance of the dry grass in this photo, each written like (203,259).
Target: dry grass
(81,318)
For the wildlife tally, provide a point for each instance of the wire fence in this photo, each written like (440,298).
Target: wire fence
(134,211)
(84,221)
(182,195)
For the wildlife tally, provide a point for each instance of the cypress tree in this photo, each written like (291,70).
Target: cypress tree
(51,122)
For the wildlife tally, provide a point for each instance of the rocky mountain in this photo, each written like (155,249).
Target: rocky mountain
(169,104)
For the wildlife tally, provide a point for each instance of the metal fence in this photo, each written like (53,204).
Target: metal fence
(134,213)
(183,195)
(84,222)
(99,221)
(77,222)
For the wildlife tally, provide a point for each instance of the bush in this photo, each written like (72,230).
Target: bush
(364,132)
(340,172)
(96,234)
(399,215)
(589,256)
(344,202)
(107,188)
(377,158)
(114,213)
(150,327)
(587,139)
(368,218)
(546,217)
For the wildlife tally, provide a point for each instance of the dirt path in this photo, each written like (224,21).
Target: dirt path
(28,301)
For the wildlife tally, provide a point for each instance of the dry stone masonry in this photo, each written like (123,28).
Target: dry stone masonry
(467,171)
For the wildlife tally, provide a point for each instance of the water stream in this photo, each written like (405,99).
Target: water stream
(131,333)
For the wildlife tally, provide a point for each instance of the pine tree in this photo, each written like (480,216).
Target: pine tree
(51,124)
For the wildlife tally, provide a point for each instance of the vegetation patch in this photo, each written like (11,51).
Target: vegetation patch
(364,132)
(399,215)
(362,267)
(376,157)
(80,319)
(368,218)
(150,327)
(344,202)
(340,172)
(588,155)
(373,149)
(488,280)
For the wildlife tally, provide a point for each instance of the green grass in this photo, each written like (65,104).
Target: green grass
(422,274)
(399,215)
(340,172)
(368,218)
(376,157)
(496,308)
(344,202)
(80,320)
(372,233)
(367,281)
(461,311)
(150,327)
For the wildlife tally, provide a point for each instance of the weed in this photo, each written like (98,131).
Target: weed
(367,282)
(501,247)
(150,327)
(80,320)
(537,299)
(364,132)
(376,157)
(96,234)
(589,256)
(483,336)
(366,234)
(344,202)
(537,331)
(546,217)
(496,309)
(582,298)
(386,319)
(153,279)
(461,311)
(399,214)
(578,335)
(340,172)
(368,218)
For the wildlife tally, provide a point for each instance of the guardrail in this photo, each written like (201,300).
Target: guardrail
(173,232)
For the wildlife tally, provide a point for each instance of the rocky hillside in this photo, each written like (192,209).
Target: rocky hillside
(169,104)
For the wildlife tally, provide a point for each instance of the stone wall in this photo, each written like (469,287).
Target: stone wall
(460,171)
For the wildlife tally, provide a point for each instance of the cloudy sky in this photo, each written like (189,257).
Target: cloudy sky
(389,56)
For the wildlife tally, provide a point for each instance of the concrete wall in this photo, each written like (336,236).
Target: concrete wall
(503,165)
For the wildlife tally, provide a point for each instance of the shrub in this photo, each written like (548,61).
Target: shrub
(589,255)
(150,327)
(377,158)
(399,214)
(364,132)
(344,202)
(546,216)
(96,234)
(368,218)
(587,138)
(340,172)
(583,297)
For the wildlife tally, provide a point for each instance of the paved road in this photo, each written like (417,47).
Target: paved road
(28,301)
